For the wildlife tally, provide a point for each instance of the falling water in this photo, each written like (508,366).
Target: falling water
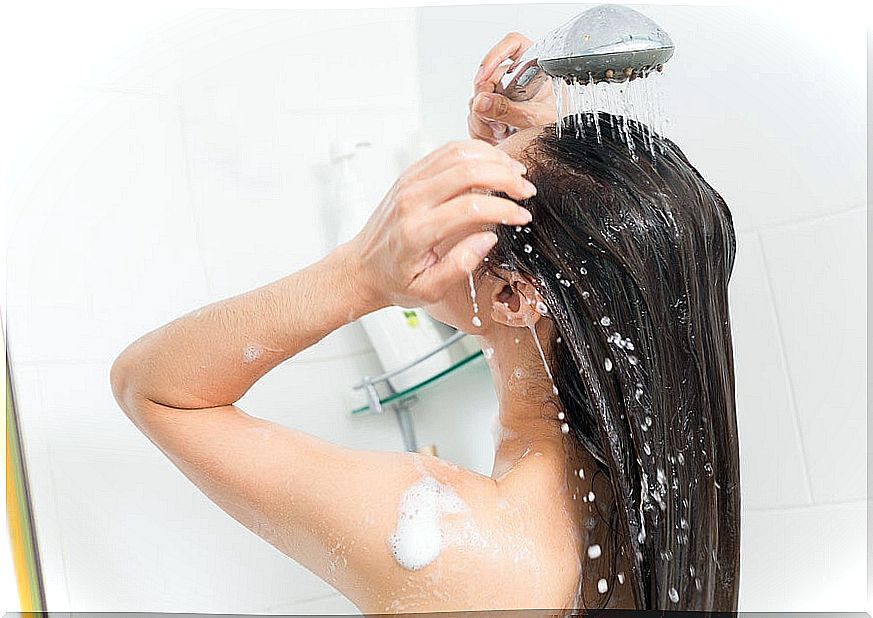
(476,321)
(536,339)
(637,104)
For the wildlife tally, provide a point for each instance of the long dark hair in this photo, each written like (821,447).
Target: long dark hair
(632,250)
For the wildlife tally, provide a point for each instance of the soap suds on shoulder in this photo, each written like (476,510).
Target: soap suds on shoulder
(419,536)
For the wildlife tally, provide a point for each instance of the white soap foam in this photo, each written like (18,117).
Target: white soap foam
(419,538)
(252,352)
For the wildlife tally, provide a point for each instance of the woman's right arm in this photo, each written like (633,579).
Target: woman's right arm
(321,504)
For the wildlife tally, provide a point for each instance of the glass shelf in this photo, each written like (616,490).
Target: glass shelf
(413,390)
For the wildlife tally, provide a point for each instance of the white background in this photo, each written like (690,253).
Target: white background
(159,160)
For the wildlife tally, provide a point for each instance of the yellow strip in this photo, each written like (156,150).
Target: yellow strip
(20,535)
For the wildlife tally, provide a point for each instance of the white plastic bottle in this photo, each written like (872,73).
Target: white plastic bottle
(398,335)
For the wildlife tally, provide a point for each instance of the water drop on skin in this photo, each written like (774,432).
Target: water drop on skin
(594,552)
(476,321)
(590,496)
(565,428)
(560,416)
(488,352)
(602,586)
(541,308)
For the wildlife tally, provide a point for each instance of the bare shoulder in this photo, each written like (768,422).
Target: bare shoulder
(461,540)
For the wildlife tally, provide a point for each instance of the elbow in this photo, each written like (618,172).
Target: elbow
(123,380)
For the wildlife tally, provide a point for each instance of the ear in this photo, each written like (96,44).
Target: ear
(514,301)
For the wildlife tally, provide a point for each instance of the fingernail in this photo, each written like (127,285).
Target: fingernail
(482,244)
(518,167)
(530,187)
(528,217)
(482,104)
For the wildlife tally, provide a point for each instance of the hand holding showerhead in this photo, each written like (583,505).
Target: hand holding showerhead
(492,116)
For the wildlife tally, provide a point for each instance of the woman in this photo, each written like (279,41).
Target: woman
(601,280)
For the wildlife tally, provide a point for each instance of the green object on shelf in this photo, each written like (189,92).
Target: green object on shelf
(414,389)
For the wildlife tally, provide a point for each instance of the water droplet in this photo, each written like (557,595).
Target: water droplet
(647,448)
(517,228)
(585,294)
(605,321)
(620,577)
(528,248)
(583,270)
(632,359)
(560,416)
(648,421)
(488,352)
(476,321)
(541,308)
(638,393)
(581,473)
(602,586)
(607,363)
(707,467)
(594,552)
(565,428)
(590,496)
(674,595)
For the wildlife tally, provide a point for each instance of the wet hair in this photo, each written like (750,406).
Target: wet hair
(632,250)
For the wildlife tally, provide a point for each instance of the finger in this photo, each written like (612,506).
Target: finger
(463,258)
(468,213)
(510,46)
(480,129)
(496,107)
(462,151)
(489,83)
(466,177)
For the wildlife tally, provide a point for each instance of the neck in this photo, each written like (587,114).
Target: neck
(528,408)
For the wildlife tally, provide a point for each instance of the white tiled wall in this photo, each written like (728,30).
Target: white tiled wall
(771,110)
(191,169)
(194,168)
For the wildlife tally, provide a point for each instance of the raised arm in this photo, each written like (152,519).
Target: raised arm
(321,504)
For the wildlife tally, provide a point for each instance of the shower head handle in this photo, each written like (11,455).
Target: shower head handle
(610,42)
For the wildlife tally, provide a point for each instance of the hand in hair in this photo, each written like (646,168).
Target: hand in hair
(492,116)
(431,227)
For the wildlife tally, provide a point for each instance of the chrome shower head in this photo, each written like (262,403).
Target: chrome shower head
(610,42)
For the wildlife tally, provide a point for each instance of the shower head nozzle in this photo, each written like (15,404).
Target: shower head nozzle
(610,42)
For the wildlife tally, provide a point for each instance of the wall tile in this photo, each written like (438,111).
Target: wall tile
(807,559)
(818,275)
(104,248)
(769,438)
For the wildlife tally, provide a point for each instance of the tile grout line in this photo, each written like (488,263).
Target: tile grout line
(767,227)
(792,400)
(818,506)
